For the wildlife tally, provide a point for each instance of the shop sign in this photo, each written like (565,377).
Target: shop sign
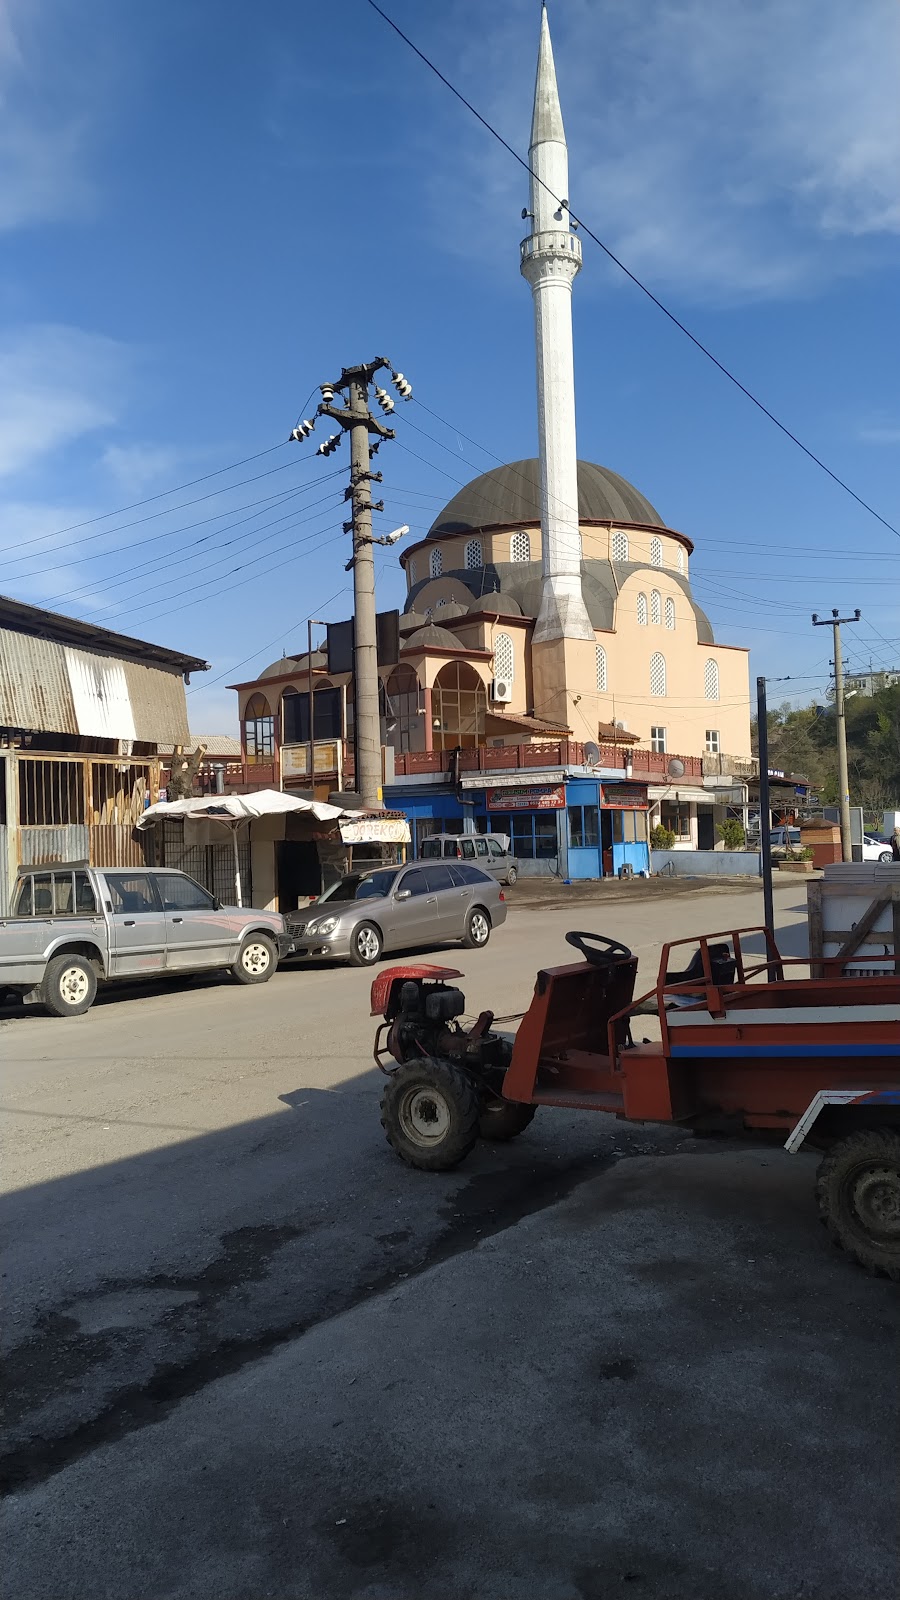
(295,758)
(531,797)
(375,830)
(624,796)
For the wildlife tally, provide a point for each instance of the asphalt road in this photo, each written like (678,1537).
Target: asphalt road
(577,1369)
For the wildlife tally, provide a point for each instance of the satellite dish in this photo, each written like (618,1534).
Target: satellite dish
(675,768)
(591,754)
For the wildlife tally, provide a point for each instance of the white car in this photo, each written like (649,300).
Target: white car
(875,849)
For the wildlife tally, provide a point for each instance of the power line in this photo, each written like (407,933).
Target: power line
(319,606)
(579,221)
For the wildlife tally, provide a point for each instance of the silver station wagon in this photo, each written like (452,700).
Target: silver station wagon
(398,908)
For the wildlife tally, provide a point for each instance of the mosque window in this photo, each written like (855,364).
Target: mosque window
(642,610)
(620,547)
(520,547)
(601,669)
(655,608)
(472,557)
(656,553)
(658,675)
(436,562)
(670,614)
(711,680)
(504,657)
(679,559)
(411,572)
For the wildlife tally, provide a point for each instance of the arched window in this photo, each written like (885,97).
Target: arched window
(601,669)
(504,657)
(520,547)
(472,556)
(411,572)
(656,552)
(436,562)
(259,731)
(670,613)
(458,708)
(658,675)
(403,726)
(680,559)
(655,607)
(711,680)
(642,610)
(620,547)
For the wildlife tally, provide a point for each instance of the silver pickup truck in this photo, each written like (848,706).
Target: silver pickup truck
(74,927)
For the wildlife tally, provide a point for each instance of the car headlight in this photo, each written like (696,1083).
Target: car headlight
(327,925)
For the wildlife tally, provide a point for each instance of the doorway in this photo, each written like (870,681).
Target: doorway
(606,842)
(706,831)
(299,873)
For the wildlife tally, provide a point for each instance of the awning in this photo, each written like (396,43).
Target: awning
(229,808)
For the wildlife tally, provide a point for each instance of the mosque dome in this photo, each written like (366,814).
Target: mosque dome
(432,638)
(497,605)
(510,496)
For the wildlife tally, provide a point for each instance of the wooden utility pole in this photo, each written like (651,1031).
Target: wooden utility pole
(834,622)
(356,419)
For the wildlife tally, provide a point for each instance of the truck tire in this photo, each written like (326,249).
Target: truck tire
(69,986)
(429,1112)
(504,1119)
(858,1190)
(257,959)
(478,929)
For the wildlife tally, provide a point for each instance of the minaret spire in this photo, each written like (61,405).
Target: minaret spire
(551,257)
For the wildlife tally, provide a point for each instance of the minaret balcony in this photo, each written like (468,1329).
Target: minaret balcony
(553,242)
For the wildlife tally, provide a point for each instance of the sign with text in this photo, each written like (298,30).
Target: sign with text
(530,797)
(624,796)
(295,758)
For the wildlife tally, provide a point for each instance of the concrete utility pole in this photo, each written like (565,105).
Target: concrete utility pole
(834,622)
(356,419)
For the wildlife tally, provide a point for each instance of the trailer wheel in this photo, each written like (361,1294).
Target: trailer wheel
(858,1190)
(504,1119)
(429,1112)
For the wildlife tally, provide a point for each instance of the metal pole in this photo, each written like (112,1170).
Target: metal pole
(367,723)
(311,756)
(834,622)
(765,838)
(237,863)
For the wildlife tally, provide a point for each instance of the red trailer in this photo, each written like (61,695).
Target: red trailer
(746,1044)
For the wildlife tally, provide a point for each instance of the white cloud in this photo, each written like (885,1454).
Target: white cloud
(43,123)
(56,385)
(882,435)
(742,149)
(136,467)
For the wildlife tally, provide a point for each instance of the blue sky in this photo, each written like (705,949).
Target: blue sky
(206,210)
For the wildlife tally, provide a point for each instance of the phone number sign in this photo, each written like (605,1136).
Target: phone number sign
(535,797)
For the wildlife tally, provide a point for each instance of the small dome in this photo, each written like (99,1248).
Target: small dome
(280,669)
(432,638)
(411,620)
(449,608)
(510,496)
(501,605)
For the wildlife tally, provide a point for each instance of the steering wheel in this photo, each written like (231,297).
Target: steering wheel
(597,949)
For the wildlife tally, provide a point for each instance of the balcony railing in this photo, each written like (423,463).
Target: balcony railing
(725,766)
(646,765)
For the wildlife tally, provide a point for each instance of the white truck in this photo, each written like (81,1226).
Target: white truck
(74,927)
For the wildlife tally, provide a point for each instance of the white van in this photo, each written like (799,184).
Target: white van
(490,851)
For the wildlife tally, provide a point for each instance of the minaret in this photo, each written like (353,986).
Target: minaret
(551,256)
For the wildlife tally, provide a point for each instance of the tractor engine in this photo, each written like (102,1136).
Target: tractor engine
(421,1014)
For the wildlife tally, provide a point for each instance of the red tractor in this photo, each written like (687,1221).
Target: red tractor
(746,1044)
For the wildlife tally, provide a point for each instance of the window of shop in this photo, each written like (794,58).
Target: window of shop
(629,827)
(620,547)
(520,547)
(678,819)
(472,557)
(436,562)
(712,741)
(259,730)
(658,740)
(459,708)
(532,834)
(584,827)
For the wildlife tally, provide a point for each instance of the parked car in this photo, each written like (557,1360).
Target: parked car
(74,927)
(396,908)
(781,838)
(875,849)
(487,850)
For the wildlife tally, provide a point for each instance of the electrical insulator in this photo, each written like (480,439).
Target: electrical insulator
(330,445)
(302,431)
(385,401)
(402,386)
(327,392)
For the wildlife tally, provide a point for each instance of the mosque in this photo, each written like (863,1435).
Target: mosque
(556,680)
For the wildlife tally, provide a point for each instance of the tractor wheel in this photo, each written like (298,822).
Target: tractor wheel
(858,1190)
(504,1119)
(429,1112)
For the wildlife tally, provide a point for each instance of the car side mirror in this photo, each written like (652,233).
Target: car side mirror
(403,894)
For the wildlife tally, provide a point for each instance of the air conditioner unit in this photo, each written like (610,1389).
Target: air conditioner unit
(501,691)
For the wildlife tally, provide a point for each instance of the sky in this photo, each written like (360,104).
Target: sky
(207,210)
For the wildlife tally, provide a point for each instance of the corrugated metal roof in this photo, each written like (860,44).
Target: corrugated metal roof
(15,614)
(100,694)
(35,691)
(157,703)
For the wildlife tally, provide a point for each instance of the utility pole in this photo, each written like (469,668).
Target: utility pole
(765,837)
(834,622)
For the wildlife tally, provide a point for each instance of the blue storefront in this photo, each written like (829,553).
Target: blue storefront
(559,824)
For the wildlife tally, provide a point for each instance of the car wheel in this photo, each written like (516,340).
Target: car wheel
(512,875)
(478,929)
(69,986)
(886,856)
(365,944)
(257,959)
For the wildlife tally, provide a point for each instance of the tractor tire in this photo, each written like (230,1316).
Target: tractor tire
(504,1119)
(257,959)
(69,986)
(429,1112)
(858,1191)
